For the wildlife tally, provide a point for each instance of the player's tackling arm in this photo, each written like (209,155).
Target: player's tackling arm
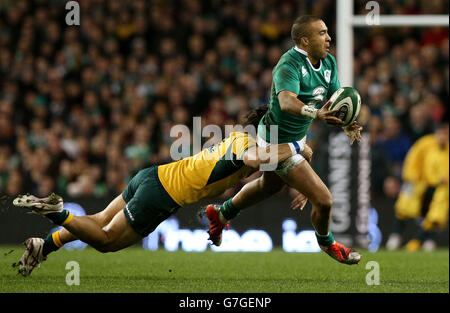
(255,156)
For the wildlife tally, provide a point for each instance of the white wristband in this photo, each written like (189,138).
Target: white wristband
(296,147)
(309,111)
(293,151)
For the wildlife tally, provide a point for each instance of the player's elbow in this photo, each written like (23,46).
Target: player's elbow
(284,106)
(286,98)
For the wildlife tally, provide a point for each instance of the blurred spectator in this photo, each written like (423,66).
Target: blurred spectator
(395,143)
(14,185)
(82,108)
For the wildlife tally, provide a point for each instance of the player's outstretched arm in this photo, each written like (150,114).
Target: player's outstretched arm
(255,156)
(291,104)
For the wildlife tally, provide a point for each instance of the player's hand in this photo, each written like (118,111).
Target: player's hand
(325,115)
(299,202)
(307,153)
(353,131)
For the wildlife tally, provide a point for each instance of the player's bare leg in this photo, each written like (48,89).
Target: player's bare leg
(253,192)
(102,218)
(59,238)
(258,190)
(115,235)
(305,180)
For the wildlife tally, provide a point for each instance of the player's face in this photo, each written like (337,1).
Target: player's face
(319,40)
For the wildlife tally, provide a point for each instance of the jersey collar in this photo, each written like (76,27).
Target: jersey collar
(306,54)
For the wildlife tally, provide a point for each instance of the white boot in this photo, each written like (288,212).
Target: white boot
(429,245)
(394,242)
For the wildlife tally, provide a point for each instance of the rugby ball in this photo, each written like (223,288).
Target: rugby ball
(348,103)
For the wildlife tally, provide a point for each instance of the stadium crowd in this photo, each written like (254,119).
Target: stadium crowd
(82,108)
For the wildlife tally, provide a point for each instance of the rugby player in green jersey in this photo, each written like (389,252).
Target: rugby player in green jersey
(304,77)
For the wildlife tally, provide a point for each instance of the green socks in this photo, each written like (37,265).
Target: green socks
(60,218)
(51,243)
(228,210)
(325,240)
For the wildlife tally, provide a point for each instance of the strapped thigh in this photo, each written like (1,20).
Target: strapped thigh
(284,168)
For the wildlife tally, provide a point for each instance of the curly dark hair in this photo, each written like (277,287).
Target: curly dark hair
(254,116)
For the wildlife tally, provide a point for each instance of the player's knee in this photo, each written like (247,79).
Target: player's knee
(106,247)
(107,244)
(102,249)
(269,187)
(324,202)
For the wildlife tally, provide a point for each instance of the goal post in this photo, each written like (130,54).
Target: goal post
(346,22)
(355,213)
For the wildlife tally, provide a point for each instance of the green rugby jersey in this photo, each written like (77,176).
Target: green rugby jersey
(294,72)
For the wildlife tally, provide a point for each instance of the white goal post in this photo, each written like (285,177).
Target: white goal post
(346,22)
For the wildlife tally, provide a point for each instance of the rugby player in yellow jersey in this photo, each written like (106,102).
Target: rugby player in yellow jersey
(152,196)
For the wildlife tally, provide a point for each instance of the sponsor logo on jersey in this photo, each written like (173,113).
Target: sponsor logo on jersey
(327,75)
(304,71)
(318,93)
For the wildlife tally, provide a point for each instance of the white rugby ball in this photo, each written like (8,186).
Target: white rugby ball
(348,103)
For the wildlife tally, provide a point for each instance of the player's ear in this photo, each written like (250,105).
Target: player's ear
(304,41)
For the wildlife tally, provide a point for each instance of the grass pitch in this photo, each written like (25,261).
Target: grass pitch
(136,270)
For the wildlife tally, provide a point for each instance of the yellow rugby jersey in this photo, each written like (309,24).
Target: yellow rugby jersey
(426,161)
(436,165)
(426,165)
(208,173)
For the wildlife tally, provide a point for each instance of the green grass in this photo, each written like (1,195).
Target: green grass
(137,270)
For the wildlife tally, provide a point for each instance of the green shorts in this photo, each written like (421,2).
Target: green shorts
(148,203)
